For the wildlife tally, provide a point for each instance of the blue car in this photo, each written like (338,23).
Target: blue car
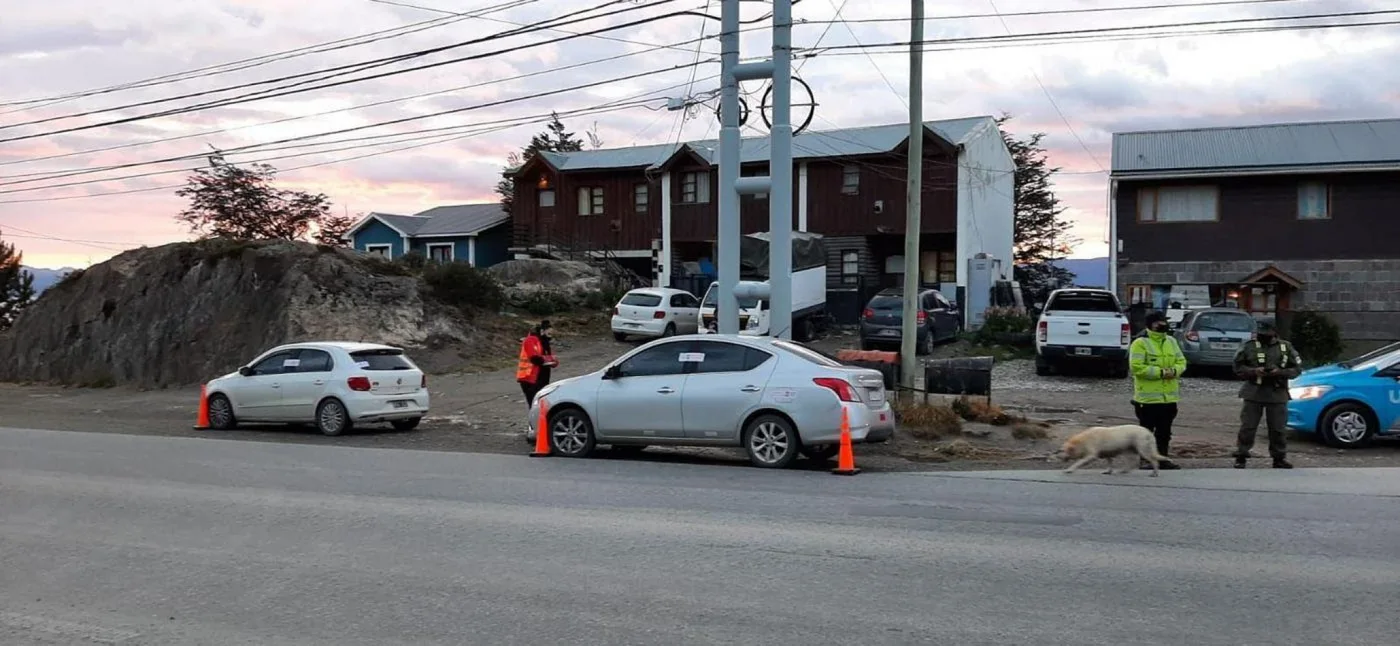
(1349,403)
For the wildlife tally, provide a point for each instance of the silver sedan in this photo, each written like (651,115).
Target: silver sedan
(774,398)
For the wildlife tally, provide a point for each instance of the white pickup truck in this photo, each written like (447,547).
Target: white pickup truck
(1082,326)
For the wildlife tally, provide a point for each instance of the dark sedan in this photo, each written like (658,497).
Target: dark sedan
(880,324)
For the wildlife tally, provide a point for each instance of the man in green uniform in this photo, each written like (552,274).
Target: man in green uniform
(1156,363)
(1266,363)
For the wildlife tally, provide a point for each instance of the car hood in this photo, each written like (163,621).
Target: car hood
(224,377)
(1320,374)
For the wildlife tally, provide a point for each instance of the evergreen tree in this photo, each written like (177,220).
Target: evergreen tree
(556,138)
(16,285)
(1041,233)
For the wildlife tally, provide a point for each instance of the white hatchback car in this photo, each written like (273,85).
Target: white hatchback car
(333,385)
(656,312)
(774,398)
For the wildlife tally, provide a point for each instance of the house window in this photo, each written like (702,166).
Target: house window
(695,188)
(850,180)
(590,200)
(381,250)
(1139,294)
(1314,201)
(850,267)
(441,252)
(1179,204)
(641,197)
(546,198)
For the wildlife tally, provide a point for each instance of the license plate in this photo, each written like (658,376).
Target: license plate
(399,404)
(877,396)
(633,324)
(1083,352)
(1224,346)
(889,332)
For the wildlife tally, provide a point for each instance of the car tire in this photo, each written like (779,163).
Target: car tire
(221,417)
(926,345)
(618,336)
(1118,371)
(804,330)
(1347,425)
(332,419)
(669,331)
(1043,367)
(406,424)
(820,453)
(771,442)
(571,434)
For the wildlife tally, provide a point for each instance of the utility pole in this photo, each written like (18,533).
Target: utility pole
(778,184)
(908,355)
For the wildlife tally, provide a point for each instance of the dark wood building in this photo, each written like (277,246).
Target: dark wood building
(657,206)
(1269,219)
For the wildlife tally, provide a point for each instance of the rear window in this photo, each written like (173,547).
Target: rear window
(641,300)
(1082,302)
(381,360)
(1225,322)
(809,353)
(884,302)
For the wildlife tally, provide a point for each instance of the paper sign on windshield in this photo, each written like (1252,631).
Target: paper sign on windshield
(692,357)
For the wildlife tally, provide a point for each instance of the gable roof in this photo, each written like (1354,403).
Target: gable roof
(1302,146)
(845,142)
(460,219)
(404,225)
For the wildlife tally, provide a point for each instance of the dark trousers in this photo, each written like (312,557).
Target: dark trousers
(530,391)
(1157,418)
(1276,416)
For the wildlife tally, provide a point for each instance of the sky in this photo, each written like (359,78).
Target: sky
(1078,93)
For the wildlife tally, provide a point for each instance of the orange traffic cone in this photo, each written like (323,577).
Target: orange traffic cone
(846,459)
(201,421)
(542,432)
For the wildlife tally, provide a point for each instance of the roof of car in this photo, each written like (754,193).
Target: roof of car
(348,346)
(657,291)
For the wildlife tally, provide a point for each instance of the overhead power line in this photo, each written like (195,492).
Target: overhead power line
(1066,12)
(335,72)
(522,24)
(265,59)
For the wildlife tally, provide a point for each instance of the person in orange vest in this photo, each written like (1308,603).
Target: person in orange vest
(536,360)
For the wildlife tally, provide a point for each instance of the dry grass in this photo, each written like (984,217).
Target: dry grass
(962,450)
(928,421)
(984,412)
(1027,430)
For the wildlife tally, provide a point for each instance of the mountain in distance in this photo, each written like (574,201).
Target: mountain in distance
(1088,272)
(46,278)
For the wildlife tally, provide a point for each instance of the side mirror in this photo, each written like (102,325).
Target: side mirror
(613,372)
(246,371)
(1039,306)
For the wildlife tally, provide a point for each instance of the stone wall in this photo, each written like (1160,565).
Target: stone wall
(1362,296)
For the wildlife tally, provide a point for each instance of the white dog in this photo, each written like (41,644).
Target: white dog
(1109,442)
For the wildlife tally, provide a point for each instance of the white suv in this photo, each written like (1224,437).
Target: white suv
(333,385)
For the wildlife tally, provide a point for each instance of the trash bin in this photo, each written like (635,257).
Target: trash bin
(961,376)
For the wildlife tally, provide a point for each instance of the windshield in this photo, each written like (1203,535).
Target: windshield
(809,353)
(712,296)
(1370,356)
(1082,302)
(1221,322)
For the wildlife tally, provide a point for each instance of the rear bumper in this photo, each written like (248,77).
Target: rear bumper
(382,408)
(1076,353)
(870,333)
(1209,357)
(868,426)
(646,327)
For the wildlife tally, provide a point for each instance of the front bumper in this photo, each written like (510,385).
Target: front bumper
(1303,414)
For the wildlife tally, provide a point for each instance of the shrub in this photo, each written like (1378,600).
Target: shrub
(1030,431)
(928,421)
(982,412)
(603,299)
(414,261)
(546,304)
(1316,336)
(381,266)
(463,285)
(1004,326)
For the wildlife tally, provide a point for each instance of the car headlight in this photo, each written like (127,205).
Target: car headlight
(1308,392)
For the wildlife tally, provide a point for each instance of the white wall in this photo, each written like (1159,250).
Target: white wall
(986,199)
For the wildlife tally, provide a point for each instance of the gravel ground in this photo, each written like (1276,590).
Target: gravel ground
(485,411)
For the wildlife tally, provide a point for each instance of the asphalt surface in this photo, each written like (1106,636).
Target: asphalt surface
(119,539)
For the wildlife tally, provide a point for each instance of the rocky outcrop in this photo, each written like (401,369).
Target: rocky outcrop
(183,313)
(565,281)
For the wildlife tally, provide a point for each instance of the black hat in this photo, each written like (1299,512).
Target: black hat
(1265,326)
(544,325)
(1154,316)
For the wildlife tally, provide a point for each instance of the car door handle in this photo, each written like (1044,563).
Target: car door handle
(319,382)
(276,385)
(665,390)
(750,389)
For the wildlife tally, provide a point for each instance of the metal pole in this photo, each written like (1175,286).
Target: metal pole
(780,173)
(727,306)
(908,359)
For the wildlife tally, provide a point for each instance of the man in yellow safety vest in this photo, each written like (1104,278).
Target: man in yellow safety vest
(1156,363)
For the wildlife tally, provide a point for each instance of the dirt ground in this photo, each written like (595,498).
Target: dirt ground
(485,412)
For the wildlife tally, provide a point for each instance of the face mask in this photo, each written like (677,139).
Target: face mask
(1266,338)
(1159,327)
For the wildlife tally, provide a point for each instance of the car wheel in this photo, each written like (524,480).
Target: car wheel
(821,453)
(670,330)
(926,346)
(332,418)
(571,434)
(1347,426)
(618,336)
(406,424)
(1042,367)
(804,330)
(221,413)
(771,442)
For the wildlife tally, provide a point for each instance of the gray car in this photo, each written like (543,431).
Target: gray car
(774,398)
(881,322)
(1210,337)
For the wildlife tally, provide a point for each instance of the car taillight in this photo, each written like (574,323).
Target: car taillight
(921,317)
(616,311)
(1043,331)
(424,385)
(841,387)
(1192,336)
(660,314)
(1125,334)
(868,314)
(360,384)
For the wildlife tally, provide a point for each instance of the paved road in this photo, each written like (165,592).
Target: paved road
(114,539)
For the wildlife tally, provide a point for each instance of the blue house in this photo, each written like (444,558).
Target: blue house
(478,234)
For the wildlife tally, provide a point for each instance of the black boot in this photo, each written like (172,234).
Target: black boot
(1240,462)
(1280,463)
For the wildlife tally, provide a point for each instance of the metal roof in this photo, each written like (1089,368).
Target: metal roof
(460,219)
(406,224)
(808,145)
(1317,144)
